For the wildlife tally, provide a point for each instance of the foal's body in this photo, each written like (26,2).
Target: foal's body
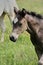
(36,34)
(6,7)
(33,24)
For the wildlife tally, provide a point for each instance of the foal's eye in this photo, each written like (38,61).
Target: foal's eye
(20,24)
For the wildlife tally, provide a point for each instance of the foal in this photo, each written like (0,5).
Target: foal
(33,24)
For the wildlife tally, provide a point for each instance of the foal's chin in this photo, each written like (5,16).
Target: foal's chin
(13,39)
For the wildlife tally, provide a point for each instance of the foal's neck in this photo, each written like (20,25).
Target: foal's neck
(29,18)
(31,21)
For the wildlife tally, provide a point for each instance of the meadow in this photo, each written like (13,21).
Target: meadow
(21,52)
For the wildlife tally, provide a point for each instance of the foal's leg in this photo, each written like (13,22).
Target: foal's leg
(38,52)
(40,56)
(2,25)
(41,60)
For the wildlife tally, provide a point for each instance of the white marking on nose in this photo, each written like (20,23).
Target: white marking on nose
(15,20)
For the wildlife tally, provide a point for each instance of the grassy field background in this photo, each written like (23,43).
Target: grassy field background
(21,52)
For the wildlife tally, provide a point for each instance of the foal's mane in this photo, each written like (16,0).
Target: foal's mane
(36,15)
(32,13)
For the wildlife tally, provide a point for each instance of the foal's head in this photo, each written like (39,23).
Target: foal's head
(19,24)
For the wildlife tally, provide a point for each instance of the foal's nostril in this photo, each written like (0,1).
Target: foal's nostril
(12,39)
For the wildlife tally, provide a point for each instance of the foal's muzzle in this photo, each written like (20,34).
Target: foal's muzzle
(12,39)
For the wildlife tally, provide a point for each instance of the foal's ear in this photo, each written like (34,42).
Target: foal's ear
(16,10)
(24,11)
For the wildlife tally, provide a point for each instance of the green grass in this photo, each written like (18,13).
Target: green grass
(21,52)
